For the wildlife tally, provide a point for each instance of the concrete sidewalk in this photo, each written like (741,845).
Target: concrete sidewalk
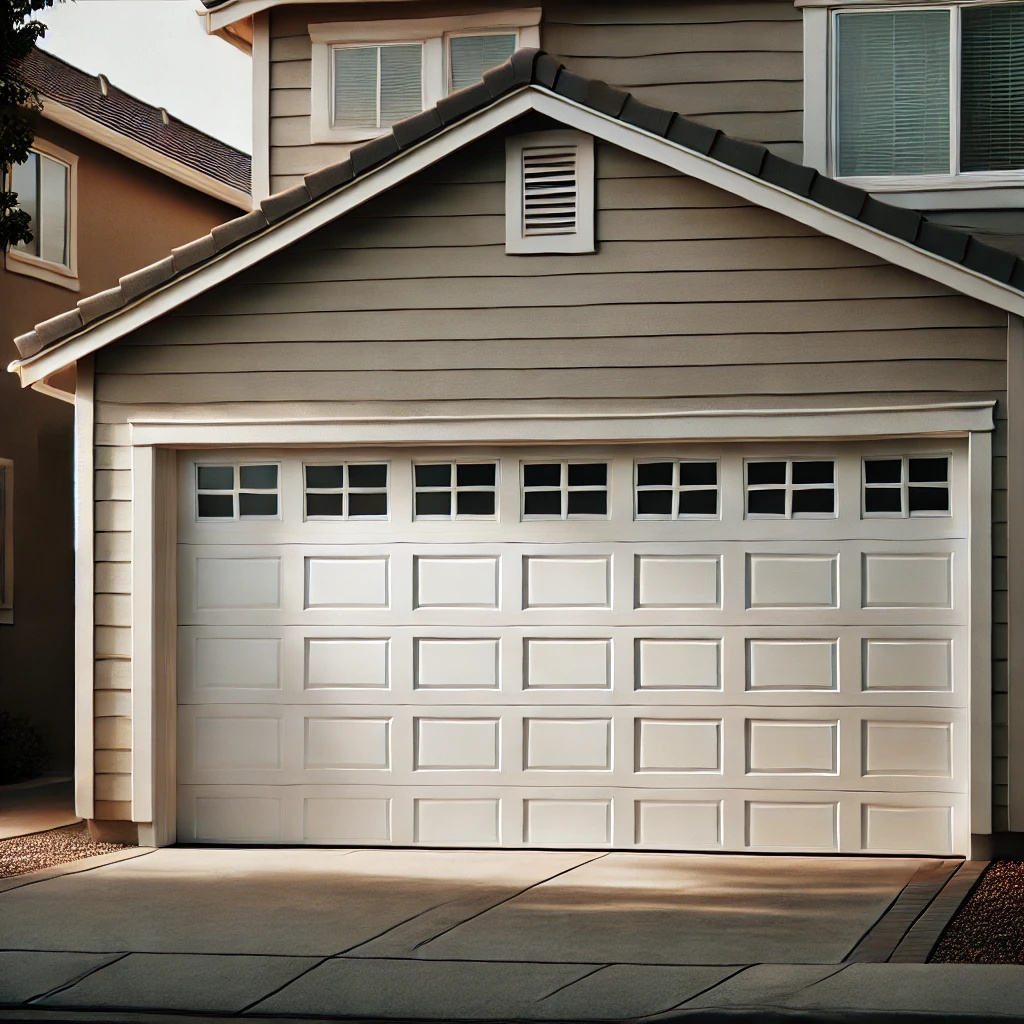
(478,935)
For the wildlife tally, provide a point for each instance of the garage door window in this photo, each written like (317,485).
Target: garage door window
(791,489)
(565,490)
(677,490)
(906,487)
(228,492)
(456,490)
(347,491)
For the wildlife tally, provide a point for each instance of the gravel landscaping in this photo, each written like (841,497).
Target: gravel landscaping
(45,849)
(989,928)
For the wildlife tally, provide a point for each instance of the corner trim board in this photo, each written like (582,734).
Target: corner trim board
(1015,571)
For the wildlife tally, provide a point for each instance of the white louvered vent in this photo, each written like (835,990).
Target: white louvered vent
(549,192)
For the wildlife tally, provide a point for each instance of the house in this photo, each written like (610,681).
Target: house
(112,183)
(567,463)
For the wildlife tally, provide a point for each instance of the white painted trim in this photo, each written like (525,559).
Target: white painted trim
(42,270)
(313,216)
(47,389)
(118,143)
(85,668)
(143,631)
(816,92)
(956,199)
(432,33)
(260,107)
(230,13)
(1015,572)
(749,424)
(980,630)
(582,240)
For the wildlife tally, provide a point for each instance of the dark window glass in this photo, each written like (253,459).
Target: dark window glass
(766,472)
(216,506)
(883,499)
(814,472)
(928,499)
(931,471)
(542,503)
(260,478)
(588,503)
(367,505)
(695,473)
(698,503)
(542,475)
(368,476)
(823,501)
(883,471)
(257,504)
(216,478)
(654,473)
(588,474)
(325,476)
(434,476)
(766,503)
(478,474)
(325,504)
(654,503)
(434,503)
(475,503)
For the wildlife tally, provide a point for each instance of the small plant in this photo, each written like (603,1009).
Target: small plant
(22,754)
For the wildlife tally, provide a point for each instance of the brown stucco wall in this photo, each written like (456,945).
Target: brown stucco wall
(128,216)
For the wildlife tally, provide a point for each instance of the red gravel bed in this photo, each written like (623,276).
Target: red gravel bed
(989,927)
(45,849)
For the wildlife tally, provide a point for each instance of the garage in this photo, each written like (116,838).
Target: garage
(731,646)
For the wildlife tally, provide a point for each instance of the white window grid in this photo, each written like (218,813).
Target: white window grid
(790,488)
(564,489)
(455,489)
(449,36)
(346,490)
(904,485)
(938,180)
(676,488)
(378,47)
(236,490)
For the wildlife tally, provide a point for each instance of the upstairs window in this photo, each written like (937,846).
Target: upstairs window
(928,91)
(374,86)
(470,56)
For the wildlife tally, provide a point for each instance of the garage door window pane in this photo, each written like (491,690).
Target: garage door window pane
(257,505)
(899,488)
(215,492)
(216,506)
(263,478)
(363,475)
(565,490)
(464,489)
(344,491)
(791,489)
(683,490)
(257,492)
(369,505)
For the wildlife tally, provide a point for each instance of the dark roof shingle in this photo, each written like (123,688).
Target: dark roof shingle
(120,111)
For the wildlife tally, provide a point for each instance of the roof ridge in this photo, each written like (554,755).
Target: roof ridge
(533,66)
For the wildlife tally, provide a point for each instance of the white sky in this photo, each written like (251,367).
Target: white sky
(158,50)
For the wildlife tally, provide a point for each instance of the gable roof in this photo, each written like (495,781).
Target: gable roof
(64,87)
(529,80)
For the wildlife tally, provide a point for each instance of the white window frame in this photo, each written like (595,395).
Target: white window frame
(821,121)
(675,488)
(347,489)
(18,262)
(454,489)
(564,488)
(789,487)
(583,240)
(7,543)
(904,486)
(236,491)
(432,33)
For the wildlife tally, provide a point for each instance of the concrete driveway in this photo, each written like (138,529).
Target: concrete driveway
(451,935)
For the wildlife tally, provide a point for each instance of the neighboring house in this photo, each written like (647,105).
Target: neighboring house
(111,183)
(559,470)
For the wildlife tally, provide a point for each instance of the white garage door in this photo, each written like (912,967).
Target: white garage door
(738,647)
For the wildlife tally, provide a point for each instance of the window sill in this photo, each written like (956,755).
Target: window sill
(43,270)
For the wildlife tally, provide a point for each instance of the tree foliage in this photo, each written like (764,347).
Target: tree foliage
(19,107)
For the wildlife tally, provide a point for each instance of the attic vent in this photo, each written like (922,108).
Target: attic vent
(549,190)
(549,193)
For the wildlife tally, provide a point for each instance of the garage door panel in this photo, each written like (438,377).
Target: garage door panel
(740,683)
(696,666)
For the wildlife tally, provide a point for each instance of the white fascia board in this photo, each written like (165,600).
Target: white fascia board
(230,13)
(273,239)
(771,197)
(412,161)
(143,154)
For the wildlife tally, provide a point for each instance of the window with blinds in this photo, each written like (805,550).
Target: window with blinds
(375,86)
(895,73)
(470,56)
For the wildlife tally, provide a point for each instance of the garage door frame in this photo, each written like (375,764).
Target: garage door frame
(155,446)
